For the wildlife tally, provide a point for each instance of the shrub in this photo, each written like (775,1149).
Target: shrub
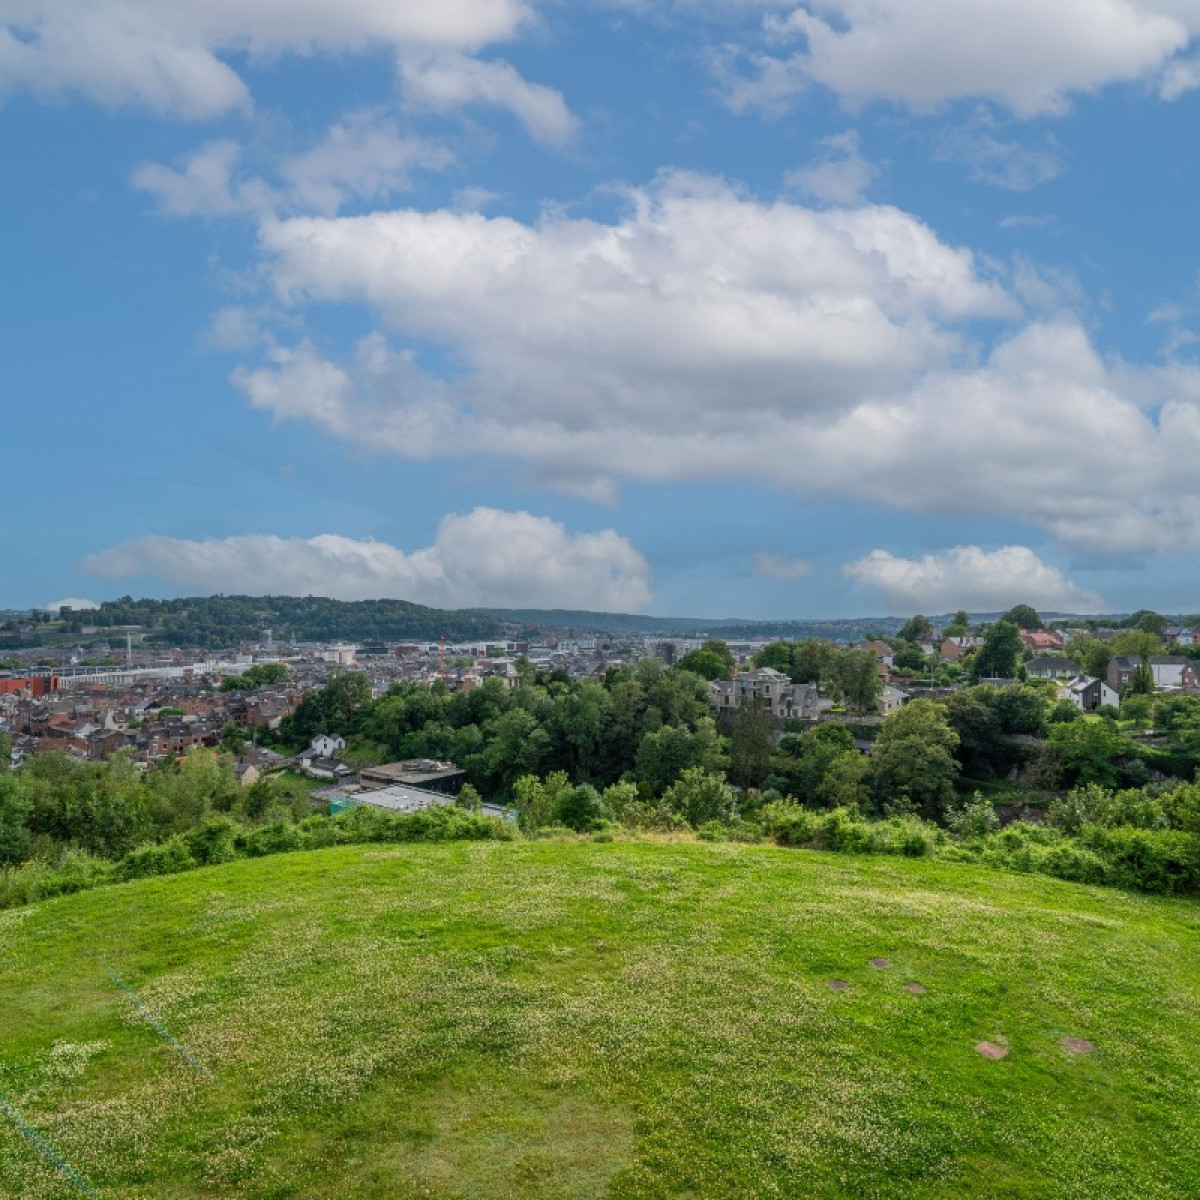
(158,858)
(975,818)
(213,842)
(1147,860)
(1069,861)
(844,831)
(70,871)
(277,838)
(787,823)
(581,808)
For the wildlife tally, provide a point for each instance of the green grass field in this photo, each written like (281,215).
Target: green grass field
(488,1020)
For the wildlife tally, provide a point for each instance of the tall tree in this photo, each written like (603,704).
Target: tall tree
(912,763)
(858,679)
(915,628)
(1141,681)
(777,655)
(750,743)
(1024,616)
(708,664)
(812,659)
(15,810)
(1000,655)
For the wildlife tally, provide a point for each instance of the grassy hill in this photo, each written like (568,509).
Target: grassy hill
(576,1020)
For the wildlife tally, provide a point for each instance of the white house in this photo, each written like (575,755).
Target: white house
(324,746)
(1088,693)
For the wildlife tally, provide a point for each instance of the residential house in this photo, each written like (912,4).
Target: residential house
(951,650)
(247,774)
(325,746)
(1185,636)
(882,651)
(786,700)
(891,700)
(1088,693)
(1172,672)
(1042,641)
(1046,666)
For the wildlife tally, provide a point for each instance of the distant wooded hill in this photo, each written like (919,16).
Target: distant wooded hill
(210,622)
(213,621)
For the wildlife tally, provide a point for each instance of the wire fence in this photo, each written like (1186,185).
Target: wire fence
(44,1148)
(158,1026)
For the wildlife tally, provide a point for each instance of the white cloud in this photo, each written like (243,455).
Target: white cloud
(971,578)
(380,400)
(168,56)
(708,336)
(364,156)
(484,558)
(446,82)
(1013,165)
(202,185)
(839,176)
(670,320)
(780,566)
(115,56)
(1027,55)
(73,602)
(1180,77)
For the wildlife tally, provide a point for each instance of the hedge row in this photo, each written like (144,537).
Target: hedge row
(223,840)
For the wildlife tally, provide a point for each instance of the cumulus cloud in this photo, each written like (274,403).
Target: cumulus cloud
(483,558)
(446,82)
(202,185)
(971,578)
(667,322)
(1027,55)
(706,335)
(840,175)
(170,57)
(1100,454)
(364,156)
(780,566)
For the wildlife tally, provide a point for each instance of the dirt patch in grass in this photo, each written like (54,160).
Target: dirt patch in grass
(838,985)
(992,1050)
(915,988)
(1077,1045)
(881,964)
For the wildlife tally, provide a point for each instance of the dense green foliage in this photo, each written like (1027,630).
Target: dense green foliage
(646,722)
(713,660)
(845,674)
(642,750)
(1000,655)
(1024,616)
(257,676)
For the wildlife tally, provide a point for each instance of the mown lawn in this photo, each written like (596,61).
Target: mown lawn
(628,1019)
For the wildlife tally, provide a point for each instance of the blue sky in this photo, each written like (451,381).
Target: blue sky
(693,307)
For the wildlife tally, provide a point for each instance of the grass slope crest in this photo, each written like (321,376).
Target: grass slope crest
(625,1019)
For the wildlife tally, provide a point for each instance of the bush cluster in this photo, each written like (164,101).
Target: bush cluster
(223,840)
